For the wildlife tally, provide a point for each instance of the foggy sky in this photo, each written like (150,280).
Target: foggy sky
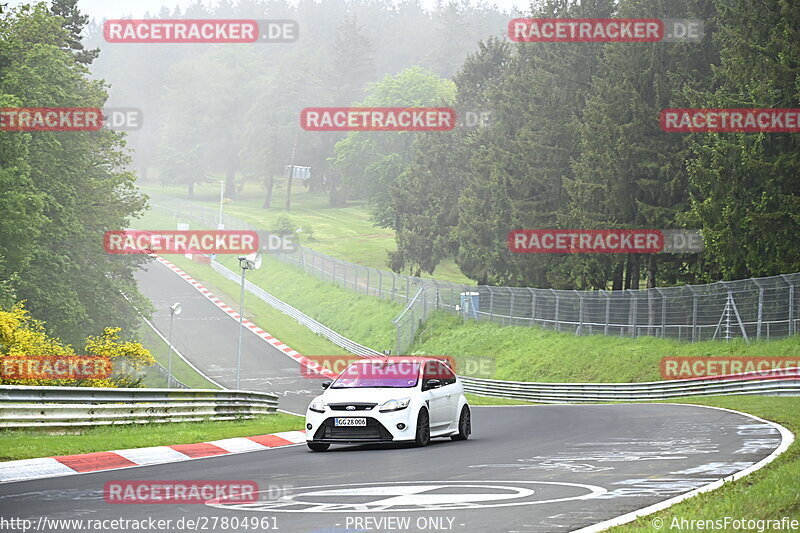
(100,9)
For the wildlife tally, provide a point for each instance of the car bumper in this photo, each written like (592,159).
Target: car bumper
(381,427)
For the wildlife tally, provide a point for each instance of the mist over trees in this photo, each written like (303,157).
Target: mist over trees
(232,110)
(574,139)
(575,142)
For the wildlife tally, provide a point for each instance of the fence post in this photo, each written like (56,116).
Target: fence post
(632,301)
(408,281)
(791,310)
(580,313)
(394,286)
(355,278)
(608,312)
(663,313)
(511,308)
(533,305)
(760,310)
(491,303)
(380,284)
(367,269)
(555,321)
(694,314)
(791,304)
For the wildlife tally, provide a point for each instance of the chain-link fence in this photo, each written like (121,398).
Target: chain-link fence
(759,308)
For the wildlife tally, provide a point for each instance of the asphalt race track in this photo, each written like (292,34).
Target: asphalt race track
(546,468)
(208,337)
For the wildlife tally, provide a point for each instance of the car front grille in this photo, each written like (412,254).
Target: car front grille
(357,406)
(374,431)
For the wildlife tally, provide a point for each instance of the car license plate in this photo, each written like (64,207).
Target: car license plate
(350,421)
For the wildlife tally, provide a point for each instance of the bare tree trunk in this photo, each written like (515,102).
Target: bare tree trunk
(230,182)
(289,190)
(634,272)
(652,270)
(268,198)
(616,282)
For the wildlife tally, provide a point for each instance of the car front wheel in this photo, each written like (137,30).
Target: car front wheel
(318,446)
(423,437)
(464,425)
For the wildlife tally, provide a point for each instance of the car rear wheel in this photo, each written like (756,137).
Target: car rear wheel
(423,437)
(464,425)
(318,446)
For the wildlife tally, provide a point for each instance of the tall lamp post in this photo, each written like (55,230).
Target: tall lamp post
(246,262)
(174,309)
(221,224)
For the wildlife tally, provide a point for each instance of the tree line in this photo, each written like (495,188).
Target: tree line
(575,142)
(59,192)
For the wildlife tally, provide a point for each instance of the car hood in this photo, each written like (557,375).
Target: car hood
(366,395)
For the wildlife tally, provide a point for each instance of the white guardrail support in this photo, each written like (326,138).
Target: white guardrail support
(28,407)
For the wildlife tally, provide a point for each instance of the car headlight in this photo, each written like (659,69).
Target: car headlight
(317,405)
(394,405)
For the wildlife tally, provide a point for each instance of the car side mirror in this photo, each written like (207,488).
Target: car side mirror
(432,384)
(326,384)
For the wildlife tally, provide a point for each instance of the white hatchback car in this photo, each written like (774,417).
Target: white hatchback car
(389,399)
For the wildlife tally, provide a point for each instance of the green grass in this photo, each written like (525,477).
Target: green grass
(27,444)
(533,354)
(769,493)
(180,369)
(343,232)
(474,399)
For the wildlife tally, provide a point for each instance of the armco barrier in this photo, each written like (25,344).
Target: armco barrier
(26,407)
(781,382)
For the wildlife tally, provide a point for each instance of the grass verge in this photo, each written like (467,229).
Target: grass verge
(344,232)
(767,494)
(180,369)
(27,444)
(476,400)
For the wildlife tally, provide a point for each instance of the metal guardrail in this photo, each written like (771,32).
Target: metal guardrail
(779,382)
(27,407)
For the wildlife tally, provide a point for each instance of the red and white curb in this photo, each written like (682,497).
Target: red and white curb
(294,354)
(66,465)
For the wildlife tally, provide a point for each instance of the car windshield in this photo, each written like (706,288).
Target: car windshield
(366,374)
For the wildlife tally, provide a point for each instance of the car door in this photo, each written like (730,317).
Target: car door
(438,403)
(452,393)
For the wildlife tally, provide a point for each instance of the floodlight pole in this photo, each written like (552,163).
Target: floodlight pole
(243,264)
(173,310)
(221,225)
(246,262)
